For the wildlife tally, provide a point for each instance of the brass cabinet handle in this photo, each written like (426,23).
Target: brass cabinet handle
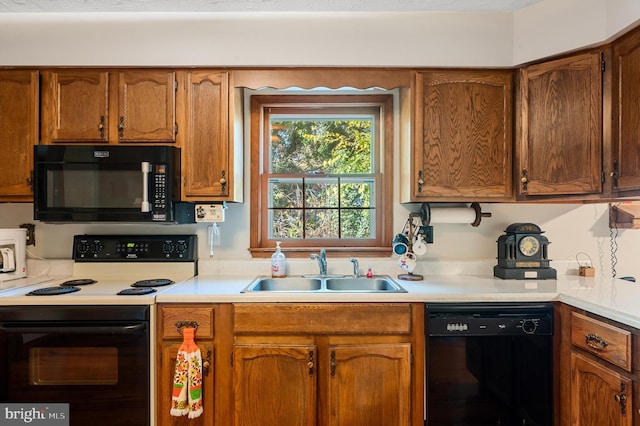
(30,180)
(524,179)
(101,127)
(420,180)
(615,174)
(621,399)
(206,363)
(310,363)
(121,126)
(186,323)
(223,180)
(333,363)
(595,342)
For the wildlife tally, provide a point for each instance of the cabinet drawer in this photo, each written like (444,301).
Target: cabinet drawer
(171,315)
(323,318)
(606,341)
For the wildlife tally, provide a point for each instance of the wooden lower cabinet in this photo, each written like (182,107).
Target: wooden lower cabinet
(324,364)
(363,384)
(600,395)
(213,337)
(599,372)
(275,385)
(299,364)
(369,385)
(165,385)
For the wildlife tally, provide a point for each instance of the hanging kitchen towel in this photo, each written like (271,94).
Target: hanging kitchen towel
(186,398)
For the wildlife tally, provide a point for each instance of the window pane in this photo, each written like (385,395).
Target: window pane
(357,223)
(285,193)
(356,193)
(321,192)
(285,224)
(321,223)
(320,144)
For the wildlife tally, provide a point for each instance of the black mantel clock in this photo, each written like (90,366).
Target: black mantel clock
(522,254)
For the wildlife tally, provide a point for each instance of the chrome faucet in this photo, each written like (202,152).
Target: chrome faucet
(356,270)
(322,261)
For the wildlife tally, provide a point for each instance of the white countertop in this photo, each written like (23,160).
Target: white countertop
(219,282)
(612,298)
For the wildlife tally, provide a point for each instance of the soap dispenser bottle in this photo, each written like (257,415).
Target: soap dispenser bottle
(278,263)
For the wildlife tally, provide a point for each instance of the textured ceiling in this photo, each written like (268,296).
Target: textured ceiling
(71,6)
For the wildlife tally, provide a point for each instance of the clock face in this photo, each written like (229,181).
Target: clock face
(529,245)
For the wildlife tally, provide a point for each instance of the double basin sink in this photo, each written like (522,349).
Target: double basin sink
(325,283)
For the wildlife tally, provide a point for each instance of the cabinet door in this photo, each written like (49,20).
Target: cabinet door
(205,142)
(75,106)
(599,395)
(560,140)
(18,133)
(625,169)
(146,106)
(165,388)
(369,385)
(463,135)
(275,385)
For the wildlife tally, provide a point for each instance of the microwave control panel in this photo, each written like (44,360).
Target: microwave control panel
(145,248)
(159,192)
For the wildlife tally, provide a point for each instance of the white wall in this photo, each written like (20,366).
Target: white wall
(312,39)
(333,39)
(572,230)
(232,39)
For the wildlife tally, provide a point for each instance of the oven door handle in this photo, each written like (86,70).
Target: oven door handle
(14,328)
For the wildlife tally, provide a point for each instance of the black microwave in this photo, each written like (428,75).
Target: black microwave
(83,183)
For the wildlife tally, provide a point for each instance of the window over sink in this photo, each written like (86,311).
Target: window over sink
(321,172)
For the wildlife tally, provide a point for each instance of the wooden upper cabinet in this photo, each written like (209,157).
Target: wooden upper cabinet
(75,106)
(146,106)
(463,135)
(625,167)
(19,105)
(205,136)
(559,148)
(100,106)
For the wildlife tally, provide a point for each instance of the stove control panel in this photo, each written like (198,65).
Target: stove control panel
(132,248)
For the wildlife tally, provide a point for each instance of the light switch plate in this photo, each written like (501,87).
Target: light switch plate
(209,213)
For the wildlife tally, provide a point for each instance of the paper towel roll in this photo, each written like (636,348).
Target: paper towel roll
(453,215)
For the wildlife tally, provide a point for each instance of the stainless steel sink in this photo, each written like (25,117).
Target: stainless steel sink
(364,284)
(293,284)
(284,284)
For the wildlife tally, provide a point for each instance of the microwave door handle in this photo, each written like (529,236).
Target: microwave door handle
(146,169)
(8,262)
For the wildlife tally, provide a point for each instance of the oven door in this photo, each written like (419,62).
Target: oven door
(101,369)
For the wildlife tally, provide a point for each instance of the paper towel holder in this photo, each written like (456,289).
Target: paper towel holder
(425,214)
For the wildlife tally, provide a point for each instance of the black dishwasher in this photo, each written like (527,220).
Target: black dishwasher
(489,364)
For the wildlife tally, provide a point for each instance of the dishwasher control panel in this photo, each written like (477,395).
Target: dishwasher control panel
(480,319)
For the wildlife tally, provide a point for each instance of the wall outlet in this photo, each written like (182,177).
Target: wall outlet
(209,213)
(31,233)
